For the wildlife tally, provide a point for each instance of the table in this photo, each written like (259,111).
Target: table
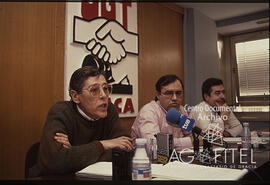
(260,157)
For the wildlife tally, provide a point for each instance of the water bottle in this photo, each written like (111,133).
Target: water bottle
(141,165)
(246,143)
(153,145)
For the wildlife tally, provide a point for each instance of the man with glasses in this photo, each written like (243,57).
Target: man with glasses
(82,131)
(215,110)
(152,117)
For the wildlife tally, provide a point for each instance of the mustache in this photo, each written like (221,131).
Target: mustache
(174,103)
(222,100)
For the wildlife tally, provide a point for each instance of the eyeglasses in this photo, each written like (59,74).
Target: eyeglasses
(95,91)
(219,92)
(169,94)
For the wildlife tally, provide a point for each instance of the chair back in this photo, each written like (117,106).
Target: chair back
(31,158)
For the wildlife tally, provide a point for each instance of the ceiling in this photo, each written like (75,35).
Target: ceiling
(234,18)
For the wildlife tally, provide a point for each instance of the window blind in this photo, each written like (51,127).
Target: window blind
(253,67)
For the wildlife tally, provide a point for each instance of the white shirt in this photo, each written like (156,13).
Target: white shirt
(204,114)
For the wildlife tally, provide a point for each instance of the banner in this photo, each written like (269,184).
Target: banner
(104,34)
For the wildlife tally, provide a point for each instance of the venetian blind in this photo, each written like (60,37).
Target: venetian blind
(253,67)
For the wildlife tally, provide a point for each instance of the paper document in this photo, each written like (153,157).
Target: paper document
(232,139)
(103,170)
(261,140)
(99,170)
(171,171)
(182,171)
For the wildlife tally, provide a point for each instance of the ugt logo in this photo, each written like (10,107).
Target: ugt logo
(104,34)
(105,38)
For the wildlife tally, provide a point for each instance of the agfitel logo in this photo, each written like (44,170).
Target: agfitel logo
(213,134)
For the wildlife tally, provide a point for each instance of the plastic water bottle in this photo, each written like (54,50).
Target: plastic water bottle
(141,165)
(246,143)
(153,144)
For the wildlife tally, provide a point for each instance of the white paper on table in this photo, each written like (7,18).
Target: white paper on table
(97,170)
(182,171)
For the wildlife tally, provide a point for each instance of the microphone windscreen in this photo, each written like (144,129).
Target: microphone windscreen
(173,116)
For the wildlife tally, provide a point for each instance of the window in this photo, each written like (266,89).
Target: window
(219,48)
(252,59)
(251,68)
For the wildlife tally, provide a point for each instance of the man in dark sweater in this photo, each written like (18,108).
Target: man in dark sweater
(82,131)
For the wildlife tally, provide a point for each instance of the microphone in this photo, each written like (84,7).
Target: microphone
(209,137)
(175,118)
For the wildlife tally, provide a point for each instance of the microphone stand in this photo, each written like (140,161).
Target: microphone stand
(195,143)
(208,147)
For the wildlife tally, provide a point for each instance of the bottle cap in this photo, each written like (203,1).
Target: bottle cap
(140,141)
(245,124)
(153,141)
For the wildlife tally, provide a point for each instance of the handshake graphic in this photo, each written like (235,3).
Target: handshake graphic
(106,39)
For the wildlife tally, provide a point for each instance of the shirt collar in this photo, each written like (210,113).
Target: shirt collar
(84,115)
(210,107)
(162,108)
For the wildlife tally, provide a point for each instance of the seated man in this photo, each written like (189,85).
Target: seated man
(82,131)
(152,117)
(214,109)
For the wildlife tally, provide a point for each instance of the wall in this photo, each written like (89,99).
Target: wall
(31,69)
(32,64)
(160,45)
(161,39)
(201,61)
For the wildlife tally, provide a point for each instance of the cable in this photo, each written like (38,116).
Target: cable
(255,173)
